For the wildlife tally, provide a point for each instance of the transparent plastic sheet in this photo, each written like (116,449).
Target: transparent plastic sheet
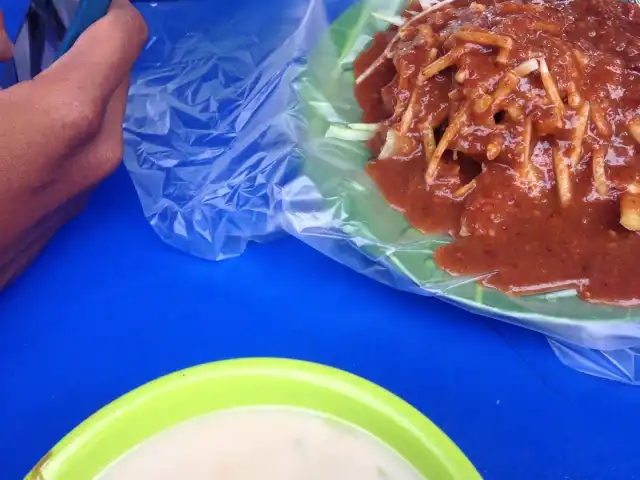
(211,125)
(226,143)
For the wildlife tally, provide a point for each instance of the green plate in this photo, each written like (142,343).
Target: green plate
(125,423)
(358,209)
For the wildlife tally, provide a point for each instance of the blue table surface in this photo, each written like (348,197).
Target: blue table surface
(108,307)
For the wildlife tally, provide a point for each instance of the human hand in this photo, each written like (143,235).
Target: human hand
(61,134)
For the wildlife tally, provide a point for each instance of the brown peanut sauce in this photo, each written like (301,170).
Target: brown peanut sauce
(515,225)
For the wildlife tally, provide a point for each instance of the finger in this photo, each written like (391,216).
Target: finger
(103,55)
(41,165)
(20,263)
(100,157)
(48,219)
(47,119)
(36,240)
(85,169)
(6,47)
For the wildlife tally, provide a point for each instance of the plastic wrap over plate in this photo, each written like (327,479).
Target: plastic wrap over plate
(211,123)
(226,142)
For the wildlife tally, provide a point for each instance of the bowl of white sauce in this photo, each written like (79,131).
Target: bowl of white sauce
(257,419)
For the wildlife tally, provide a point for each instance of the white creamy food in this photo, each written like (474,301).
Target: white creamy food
(262,444)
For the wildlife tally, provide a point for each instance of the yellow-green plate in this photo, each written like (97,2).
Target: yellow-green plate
(181,396)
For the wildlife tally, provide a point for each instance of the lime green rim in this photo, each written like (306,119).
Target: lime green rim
(366,393)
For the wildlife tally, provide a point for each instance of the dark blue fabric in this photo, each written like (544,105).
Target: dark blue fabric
(108,307)
(14,12)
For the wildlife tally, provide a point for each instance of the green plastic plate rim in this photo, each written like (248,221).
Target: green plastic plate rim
(252,382)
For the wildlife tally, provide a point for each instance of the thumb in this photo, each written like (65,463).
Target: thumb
(103,55)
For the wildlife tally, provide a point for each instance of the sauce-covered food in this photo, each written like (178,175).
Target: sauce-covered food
(265,444)
(515,127)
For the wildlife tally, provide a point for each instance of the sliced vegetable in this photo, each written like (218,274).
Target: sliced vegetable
(392,19)
(369,127)
(343,132)
(389,146)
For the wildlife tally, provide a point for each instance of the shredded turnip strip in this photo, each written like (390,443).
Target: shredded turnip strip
(579,133)
(452,130)
(550,85)
(573,96)
(485,38)
(387,51)
(630,211)
(440,64)
(581,58)
(407,118)
(546,27)
(375,65)
(392,19)
(493,150)
(508,83)
(461,75)
(518,8)
(436,118)
(389,146)
(455,95)
(526,154)
(432,7)
(402,101)
(427,3)
(478,7)
(481,104)
(563,181)
(526,67)
(465,189)
(450,58)
(599,174)
(634,129)
(372,127)
(514,111)
(426,36)
(345,133)
(503,56)
(599,120)
(429,141)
